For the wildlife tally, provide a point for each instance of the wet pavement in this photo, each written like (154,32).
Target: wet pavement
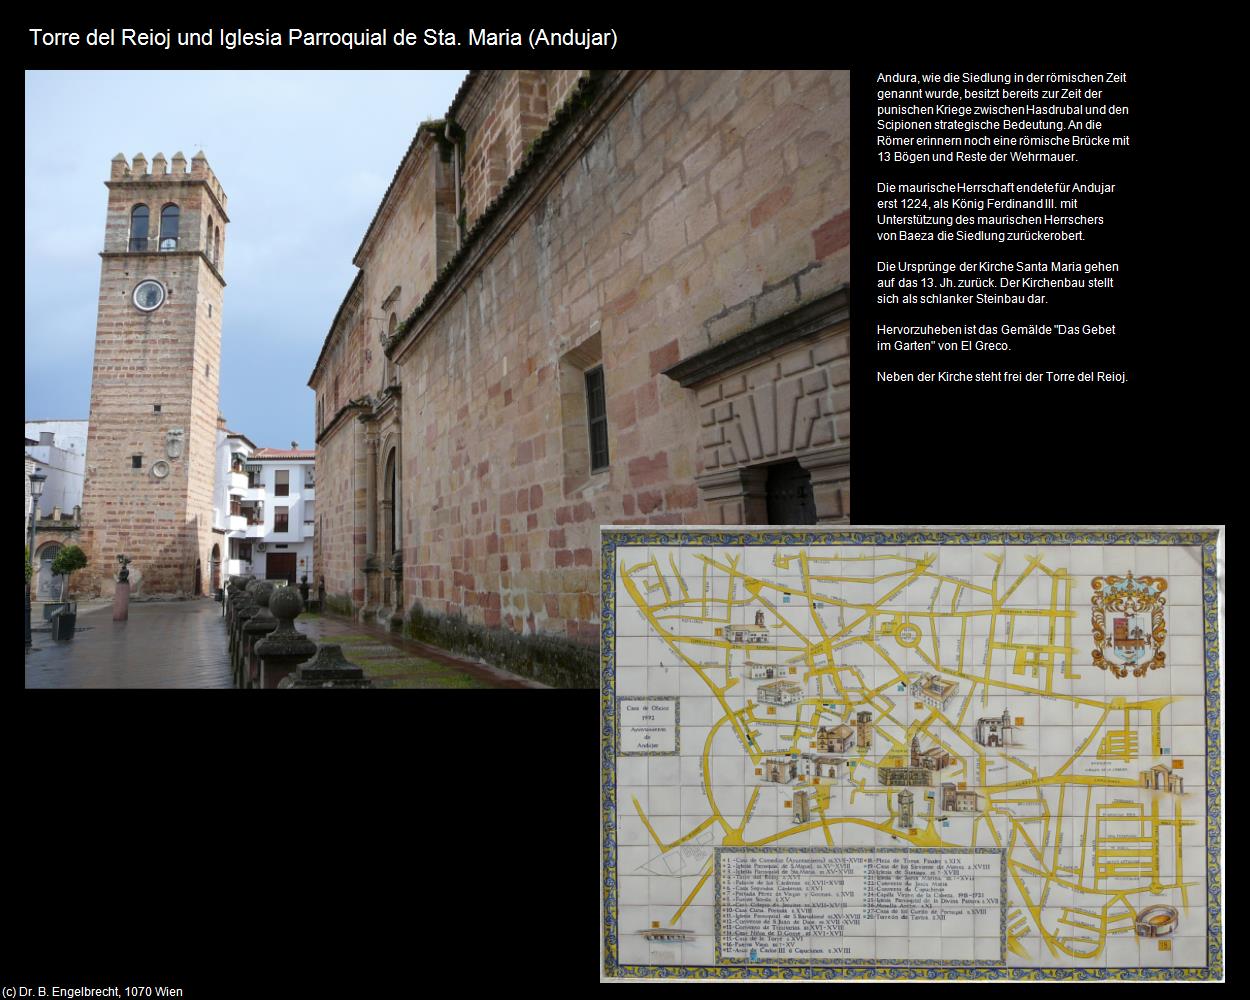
(391,660)
(180,644)
(183,644)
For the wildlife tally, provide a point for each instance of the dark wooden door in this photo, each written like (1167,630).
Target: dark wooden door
(280,564)
(790,499)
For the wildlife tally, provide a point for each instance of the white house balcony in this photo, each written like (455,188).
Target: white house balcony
(308,529)
(236,522)
(238,482)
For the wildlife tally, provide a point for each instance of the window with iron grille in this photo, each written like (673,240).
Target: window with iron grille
(280,518)
(597,419)
(281,482)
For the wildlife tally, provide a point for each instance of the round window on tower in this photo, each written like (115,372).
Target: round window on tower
(149,295)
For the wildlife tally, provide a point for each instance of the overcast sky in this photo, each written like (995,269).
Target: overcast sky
(304,159)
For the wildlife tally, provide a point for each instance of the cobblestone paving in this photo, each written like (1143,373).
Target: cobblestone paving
(179,644)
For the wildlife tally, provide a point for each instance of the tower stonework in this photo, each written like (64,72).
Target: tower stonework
(151,443)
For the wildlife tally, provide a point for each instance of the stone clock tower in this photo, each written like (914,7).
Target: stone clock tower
(151,444)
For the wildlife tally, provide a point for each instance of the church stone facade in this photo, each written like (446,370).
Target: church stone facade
(148,488)
(586,298)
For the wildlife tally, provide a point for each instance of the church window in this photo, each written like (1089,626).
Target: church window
(139,227)
(388,370)
(583,416)
(169,227)
(597,419)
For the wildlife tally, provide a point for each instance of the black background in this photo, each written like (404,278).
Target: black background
(251,846)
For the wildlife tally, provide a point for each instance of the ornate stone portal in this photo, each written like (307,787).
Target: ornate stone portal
(776,394)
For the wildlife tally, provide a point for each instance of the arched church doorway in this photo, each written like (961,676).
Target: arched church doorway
(392,578)
(389,506)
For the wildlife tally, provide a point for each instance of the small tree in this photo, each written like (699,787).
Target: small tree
(68,560)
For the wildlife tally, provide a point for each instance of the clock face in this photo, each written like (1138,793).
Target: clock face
(149,295)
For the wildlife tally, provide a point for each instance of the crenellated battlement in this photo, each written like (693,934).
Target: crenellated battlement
(163,171)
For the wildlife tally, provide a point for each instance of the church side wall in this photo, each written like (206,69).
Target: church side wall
(339,536)
(710,203)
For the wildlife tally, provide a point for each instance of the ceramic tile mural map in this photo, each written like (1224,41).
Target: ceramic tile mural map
(898,753)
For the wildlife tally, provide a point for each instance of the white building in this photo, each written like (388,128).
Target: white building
(264,508)
(30,467)
(61,454)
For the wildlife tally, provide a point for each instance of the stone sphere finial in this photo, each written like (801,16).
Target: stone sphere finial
(286,607)
(264,592)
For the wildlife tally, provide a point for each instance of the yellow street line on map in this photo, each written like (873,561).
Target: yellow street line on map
(672,561)
(694,892)
(679,841)
(746,813)
(1033,561)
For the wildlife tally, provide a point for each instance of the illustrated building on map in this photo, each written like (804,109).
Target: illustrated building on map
(1161,779)
(933,690)
(1159,920)
(820,765)
(905,807)
(801,806)
(747,634)
(667,934)
(935,758)
(993,729)
(781,769)
(905,776)
(781,693)
(834,739)
(761,671)
(863,729)
(959,799)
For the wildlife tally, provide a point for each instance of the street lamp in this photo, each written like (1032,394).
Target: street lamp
(37,480)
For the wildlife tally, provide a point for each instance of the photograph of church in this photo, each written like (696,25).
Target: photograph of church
(587,297)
